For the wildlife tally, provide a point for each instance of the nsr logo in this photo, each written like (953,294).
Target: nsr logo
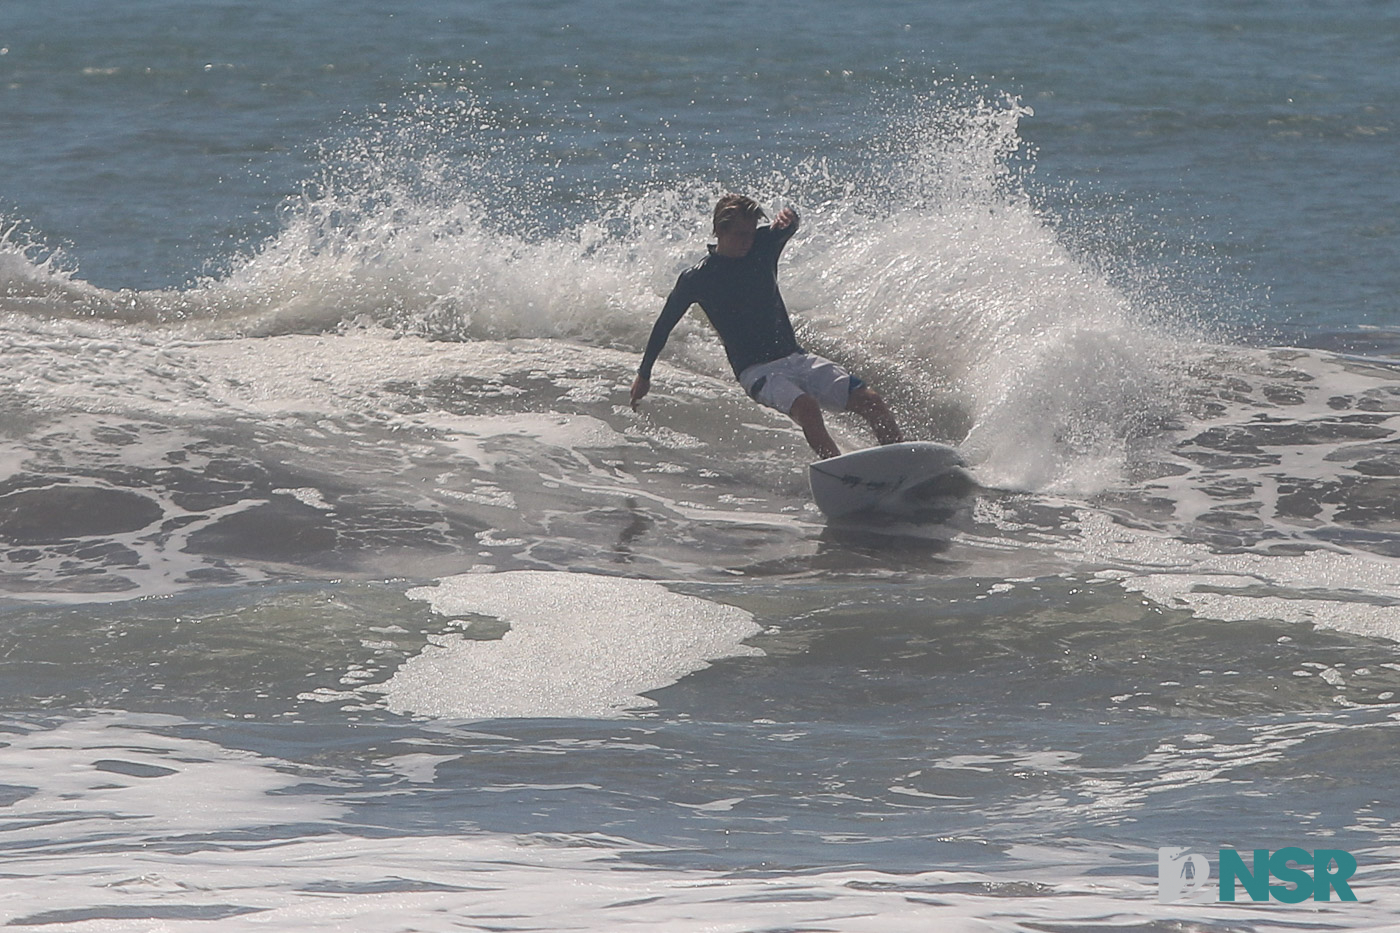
(1181,875)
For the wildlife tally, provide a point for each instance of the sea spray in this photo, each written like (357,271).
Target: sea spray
(959,293)
(924,263)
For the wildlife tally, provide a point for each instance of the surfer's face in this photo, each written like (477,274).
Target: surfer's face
(736,239)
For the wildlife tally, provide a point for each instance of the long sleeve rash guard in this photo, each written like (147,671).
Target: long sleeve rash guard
(741,299)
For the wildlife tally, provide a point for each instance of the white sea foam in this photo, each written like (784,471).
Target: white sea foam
(129,827)
(353,419)
(578,646)
(929,269)
(1353,592)
(444,883)
(570,434)
(86,776)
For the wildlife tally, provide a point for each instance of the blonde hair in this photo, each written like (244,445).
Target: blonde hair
(733,207)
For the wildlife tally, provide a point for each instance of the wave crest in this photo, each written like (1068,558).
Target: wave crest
(924,262)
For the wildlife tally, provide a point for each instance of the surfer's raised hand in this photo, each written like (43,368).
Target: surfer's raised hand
(784,219)
(640,387)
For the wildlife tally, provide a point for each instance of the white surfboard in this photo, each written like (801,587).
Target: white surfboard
(893,479)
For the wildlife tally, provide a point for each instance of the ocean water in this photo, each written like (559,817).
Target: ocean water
(340,587)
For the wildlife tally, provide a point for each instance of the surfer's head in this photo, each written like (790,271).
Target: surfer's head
(736,219)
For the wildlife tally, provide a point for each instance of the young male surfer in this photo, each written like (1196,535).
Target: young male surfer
(736,286)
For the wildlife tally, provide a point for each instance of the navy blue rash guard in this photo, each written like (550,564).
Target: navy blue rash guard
(741,299)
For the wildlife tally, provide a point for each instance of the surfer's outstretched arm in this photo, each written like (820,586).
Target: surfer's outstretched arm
(676,305)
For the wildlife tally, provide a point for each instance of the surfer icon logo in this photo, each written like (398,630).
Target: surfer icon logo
(1179,875)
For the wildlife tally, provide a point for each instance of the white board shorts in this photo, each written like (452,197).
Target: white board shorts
(779,383)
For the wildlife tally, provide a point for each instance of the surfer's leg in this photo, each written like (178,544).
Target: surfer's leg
(808,415)
(830,385)
(867,403)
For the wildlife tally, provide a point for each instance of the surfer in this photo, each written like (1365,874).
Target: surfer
(736,285)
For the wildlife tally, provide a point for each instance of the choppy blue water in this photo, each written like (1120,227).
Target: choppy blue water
(340,587)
